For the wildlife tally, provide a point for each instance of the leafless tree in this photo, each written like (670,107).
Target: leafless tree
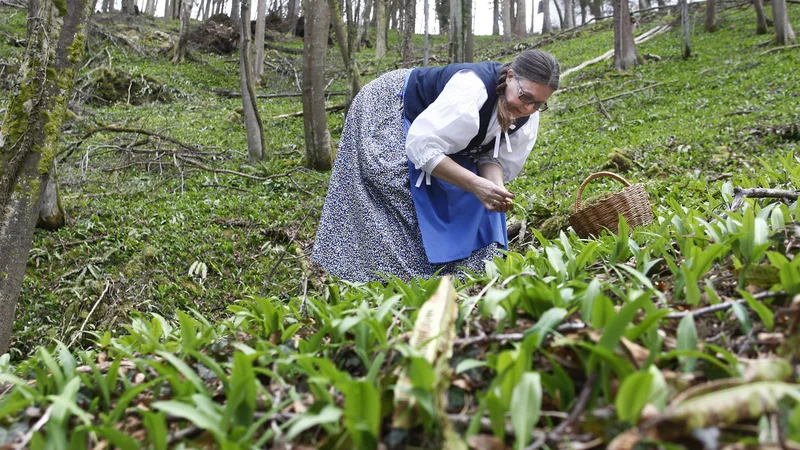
(344,39)
(761,18)
(469,41)
(506,20)
(408,31)
(363,26)
(426,45)
(711,16)
(33,123)
(254,128)
(547,24)
(315,123)
(784,34)
(625,53)
(235,7)
(569,15)
(261,26)
(496,17)
(150,8)
(183,37)
(522,18)
(456,31)
(381,25)
(686,46)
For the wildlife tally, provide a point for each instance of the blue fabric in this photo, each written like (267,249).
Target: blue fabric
(454,223)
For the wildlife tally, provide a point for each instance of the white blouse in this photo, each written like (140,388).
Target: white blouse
(449,124)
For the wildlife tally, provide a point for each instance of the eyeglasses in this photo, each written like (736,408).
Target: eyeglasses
(526,98)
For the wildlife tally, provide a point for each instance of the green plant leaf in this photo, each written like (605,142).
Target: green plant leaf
(687,340)
(328,414)
(633,395)
(526,405)
(763,312)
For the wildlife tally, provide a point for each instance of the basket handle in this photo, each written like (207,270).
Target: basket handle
(592,177)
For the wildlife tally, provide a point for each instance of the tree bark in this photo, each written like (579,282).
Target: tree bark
(180,48)
(261,27)
(469,42)
(761,18)
(506,20)
(784,34)
(522,19)
(426,45)
(29,136)
(315,123)
(408,31)
(626,55)
(547,25)
(686,45)
(363,28)
(51,214)
(254,128)
(495,17)
(150,9)
(456,32)
(167,8)
(569,15)
(348,57)
(711,16)
(560,16)
(443,16)
(235,7)
(381,25)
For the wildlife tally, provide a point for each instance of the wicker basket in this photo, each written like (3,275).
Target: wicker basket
(632,202)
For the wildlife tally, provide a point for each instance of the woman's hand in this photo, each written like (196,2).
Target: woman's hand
(494,173)
(494,197)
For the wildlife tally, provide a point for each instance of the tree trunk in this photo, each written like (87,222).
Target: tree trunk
(547,25)
(261,27)
(29,136)
(315,123)
(235,7)
(443,16)
(761,18)
(625,53)
(584,13)
(108,6)
(784,34)
(256,145)
(560,16)
(711,16)
(496,17)
(150,9)
(506,20)
(381,26)
(596,8)
(348,58)
(456,32)
(363,28)
(408,31)
(522,19)
(569,15)
(644,4)
(469,42)
(533,16)
(686,46)
(183,37)
(426,47)
(167,8)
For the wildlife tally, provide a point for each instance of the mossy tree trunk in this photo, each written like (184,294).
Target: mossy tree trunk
(315,122)
(784,34)
(254,128)
(29,135)
(626,55)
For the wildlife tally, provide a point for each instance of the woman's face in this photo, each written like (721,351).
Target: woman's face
(525,97)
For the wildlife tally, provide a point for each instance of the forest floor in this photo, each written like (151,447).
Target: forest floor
(178,306)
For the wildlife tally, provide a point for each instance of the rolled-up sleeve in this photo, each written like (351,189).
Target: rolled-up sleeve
(522,143)
(449,123)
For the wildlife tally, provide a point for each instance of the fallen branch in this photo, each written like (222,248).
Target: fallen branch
(115,129)
(232,94)
(719,306)
(776,49)
(14,4)
(300,113)
(200,165)
(649,34)
(740,194)
(513,337)
(577,410)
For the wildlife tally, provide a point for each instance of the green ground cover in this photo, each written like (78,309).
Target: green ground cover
(178,306)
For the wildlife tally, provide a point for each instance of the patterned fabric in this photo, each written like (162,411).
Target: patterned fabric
(368,224)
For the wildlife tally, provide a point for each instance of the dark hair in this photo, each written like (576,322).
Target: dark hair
(532,65)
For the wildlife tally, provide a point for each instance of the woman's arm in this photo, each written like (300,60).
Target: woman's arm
(493,195)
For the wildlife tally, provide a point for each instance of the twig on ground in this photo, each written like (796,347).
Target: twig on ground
(720,306)
(622,94)
(777,49)
(300,113)
(739,194)
(80,331)
(232,94)
(577,410)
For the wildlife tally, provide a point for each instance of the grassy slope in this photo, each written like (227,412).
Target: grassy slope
(136,232)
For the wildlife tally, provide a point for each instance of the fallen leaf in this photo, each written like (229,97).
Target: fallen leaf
(485,442)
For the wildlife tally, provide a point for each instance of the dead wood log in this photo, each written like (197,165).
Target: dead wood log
(739,194)
(233,94)
(300,113)
(777,49)
(600,100)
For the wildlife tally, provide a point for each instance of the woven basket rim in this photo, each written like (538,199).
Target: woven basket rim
(603,203)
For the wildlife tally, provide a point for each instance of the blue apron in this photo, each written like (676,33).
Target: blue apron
(453,222)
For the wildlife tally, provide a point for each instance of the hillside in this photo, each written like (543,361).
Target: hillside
(179,307)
